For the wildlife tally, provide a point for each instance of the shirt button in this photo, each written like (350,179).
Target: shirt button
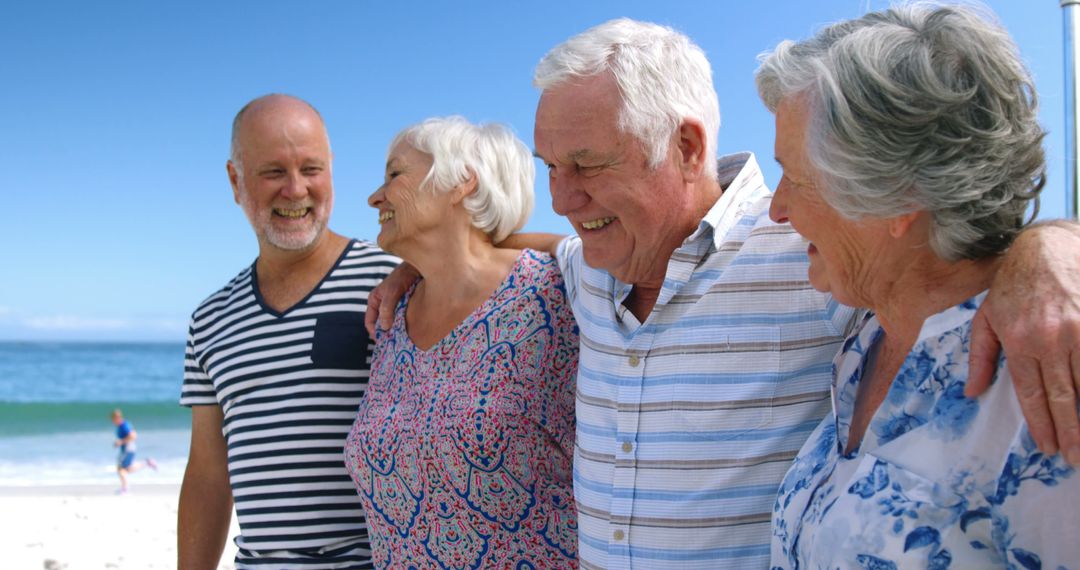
(627,447)
(634,360)
(619,535)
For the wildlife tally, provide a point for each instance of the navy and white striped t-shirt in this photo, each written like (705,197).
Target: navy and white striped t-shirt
(289,384)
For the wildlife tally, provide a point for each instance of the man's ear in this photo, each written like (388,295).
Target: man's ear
(234,180)
(691,142)
(465,189)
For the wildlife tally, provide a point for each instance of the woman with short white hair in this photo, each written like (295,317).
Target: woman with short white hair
(911,149)
(462,448)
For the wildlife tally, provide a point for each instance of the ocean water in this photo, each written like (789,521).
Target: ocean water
(55,405)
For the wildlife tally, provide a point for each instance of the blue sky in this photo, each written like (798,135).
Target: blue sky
(114,124)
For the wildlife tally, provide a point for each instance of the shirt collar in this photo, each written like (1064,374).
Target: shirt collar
(743,183)
(951,318)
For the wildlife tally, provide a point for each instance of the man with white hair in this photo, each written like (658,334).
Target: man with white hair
(705,353)
(277,361)
(704,350)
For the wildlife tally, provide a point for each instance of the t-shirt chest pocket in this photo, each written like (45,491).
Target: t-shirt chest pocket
(340,341)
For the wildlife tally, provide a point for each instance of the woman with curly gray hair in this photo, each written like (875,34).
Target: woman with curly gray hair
(911,151)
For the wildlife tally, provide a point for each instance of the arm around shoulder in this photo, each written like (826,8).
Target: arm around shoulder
(384,298)
(1033,313)
(206,501)
(539,241)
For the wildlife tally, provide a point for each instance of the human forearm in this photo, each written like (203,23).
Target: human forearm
(206,501)
(1067,225)
(1033,312)
(538,241)
(202,526)
(384,297)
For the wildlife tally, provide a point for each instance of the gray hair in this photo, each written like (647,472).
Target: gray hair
(234,137)
(503,166)
(663,77)
(919,107)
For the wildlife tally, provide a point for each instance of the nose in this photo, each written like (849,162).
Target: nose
(566,195)
(377,197)
(778,211)
(295,186)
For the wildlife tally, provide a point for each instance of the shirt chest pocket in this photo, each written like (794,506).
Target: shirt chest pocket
(340,341)
(726,388)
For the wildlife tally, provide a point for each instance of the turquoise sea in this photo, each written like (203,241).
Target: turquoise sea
(55,401)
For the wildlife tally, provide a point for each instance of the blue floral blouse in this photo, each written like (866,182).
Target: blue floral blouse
(939,481)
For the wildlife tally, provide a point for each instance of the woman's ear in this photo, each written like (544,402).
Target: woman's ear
(902,224)
(465,189)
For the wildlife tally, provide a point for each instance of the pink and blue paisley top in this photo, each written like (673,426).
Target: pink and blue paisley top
(462,454)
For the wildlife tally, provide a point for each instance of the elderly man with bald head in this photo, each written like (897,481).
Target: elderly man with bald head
(277,361)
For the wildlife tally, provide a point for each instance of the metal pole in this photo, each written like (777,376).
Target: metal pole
(1072,105)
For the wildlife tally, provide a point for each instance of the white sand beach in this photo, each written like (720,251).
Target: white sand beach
(90,527)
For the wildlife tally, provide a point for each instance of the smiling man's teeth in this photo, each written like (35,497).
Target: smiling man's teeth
(385,216)
(597,224)
(291,213)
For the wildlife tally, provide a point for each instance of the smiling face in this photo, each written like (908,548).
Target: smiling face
(630,217)
(407,212)
(843,252)
(283,178)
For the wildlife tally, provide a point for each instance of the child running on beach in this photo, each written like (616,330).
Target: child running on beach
(125,460)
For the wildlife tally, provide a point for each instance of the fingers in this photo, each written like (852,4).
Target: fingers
(1028,381)
(1073,445)
(1061,398)
(386,312)
(374,305)
(383,299)
(983,358)
(1061,394)
(1076,371)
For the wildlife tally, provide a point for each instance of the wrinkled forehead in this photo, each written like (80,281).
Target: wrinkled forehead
(276,137)
(575,116)
(405,156)
(274,113)
(283,125)
(582,96)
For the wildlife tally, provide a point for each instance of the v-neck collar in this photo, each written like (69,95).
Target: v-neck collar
(483,308)
(283,313)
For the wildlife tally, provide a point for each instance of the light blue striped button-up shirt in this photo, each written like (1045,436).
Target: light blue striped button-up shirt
(686,423)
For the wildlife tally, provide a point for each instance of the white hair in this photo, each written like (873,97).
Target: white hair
(503,166)
(919,107)
(663,77)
